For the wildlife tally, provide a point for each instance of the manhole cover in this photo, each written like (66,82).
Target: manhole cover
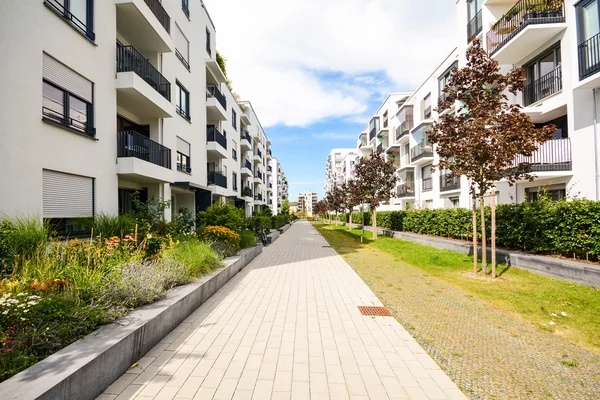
(375,311)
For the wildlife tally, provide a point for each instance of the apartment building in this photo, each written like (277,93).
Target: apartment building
(557,43)
(306,202)
(339,167)
(110,98)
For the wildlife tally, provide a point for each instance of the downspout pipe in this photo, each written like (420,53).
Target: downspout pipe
(596,166)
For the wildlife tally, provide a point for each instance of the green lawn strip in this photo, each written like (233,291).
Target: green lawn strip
(531,296)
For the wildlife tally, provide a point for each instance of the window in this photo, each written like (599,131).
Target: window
(234,180)
(185,6)
(182,47)
(554,193)
(126,197)
(234,150)
(182,101)
(474,16)
(427,178)
(427,106)
(66,98)
(208,49)
(385,119)
(455,202)
(588,35)
(234,119)
(561,127)
(79,13)
(544,76)
(444,79)
(183,156)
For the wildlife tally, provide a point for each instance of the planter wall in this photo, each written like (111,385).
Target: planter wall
(87,367)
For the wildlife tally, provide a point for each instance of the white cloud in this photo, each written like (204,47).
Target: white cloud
(277,51)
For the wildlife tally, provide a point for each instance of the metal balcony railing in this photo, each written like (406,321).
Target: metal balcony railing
(521,15)
(258,197)
(554,155)
(589,57)
(372,134)
(247,164)
(547,85)
(427,112)
(259,153)
(405,190)
(58,6)
(474,26)
(213,135)
(134,144)
(402,130)
(213,91)
(449,182)
(131,60)
(421,150)
(245,136)
(258,175)
(159,12)
(217,178)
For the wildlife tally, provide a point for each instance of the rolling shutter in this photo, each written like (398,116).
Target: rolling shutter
(181,43)
(67,196)
(183,147)
(64,77)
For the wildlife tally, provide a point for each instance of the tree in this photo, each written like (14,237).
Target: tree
(320,208)
(335,201)
(351,199)
(285,207)
(484,137)
(376,180)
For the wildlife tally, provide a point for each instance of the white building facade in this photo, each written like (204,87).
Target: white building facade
(558,46)
(339,167)
(110,98)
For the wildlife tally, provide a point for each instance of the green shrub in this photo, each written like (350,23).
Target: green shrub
(278,221)
(21,238)
(197,256)
(260,222)
(247,239)
(183,223)
(222,215)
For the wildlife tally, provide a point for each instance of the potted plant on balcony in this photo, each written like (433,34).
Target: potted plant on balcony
(246,192)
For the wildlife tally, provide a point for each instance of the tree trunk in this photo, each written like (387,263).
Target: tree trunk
(350,224)
(336,219)
(483,237)
(493,233)
(474,233)
(374,218)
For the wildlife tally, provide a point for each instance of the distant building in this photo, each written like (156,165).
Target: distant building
(306,202)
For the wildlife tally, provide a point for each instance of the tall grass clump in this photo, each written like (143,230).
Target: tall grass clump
(247,239)
(107,226)
(21,238)
(197,256)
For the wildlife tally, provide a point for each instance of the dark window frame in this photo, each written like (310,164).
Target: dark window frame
(64,11)
(208,46)
(184,166)
(233,119)
(578,9)
(182,90)
(63,122)
(234,181)
(185,6)
(535,61)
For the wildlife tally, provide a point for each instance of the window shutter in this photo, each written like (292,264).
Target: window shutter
(181,43)
(64,77)
(183,147)
(66,195)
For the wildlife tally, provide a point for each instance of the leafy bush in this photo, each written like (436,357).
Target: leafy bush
(247,239)
(223,235)
(567,228)
(183,223)
(278,221)
(222,215)
(260,222)
(197,256)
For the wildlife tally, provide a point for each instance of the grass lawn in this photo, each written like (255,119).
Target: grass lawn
(535,298)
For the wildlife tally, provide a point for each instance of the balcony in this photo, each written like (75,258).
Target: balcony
(449,182)
(216,104)
(216,142)
(217,178)
(380,147)
(427,113)
(258,197)
(372,134)
(527,25)
(474,27)
(141,89)
(421,151)
(246,167)
(589,58)
(402,131)
(146,24)
(258,176)
(405,190)
(245,141)
(554,155)
(546,86)
(141,159)
(441,99)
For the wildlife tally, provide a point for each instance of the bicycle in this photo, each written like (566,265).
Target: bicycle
(261,235)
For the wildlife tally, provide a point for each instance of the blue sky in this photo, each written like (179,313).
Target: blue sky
(316,70)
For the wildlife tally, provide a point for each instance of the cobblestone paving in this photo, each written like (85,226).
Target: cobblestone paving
(288,327)
(489,353)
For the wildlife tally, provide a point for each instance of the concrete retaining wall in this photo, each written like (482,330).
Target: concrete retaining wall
(273,236)
(87,367)
(573,271)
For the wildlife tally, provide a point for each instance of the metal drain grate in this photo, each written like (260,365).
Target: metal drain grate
(375,311)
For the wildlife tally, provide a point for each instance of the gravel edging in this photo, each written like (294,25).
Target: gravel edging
(85,368)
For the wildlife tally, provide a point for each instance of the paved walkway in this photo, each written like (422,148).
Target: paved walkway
(288,327)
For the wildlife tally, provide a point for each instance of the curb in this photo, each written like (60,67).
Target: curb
(84,369)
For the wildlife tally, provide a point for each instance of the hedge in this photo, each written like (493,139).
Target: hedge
(567,228)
